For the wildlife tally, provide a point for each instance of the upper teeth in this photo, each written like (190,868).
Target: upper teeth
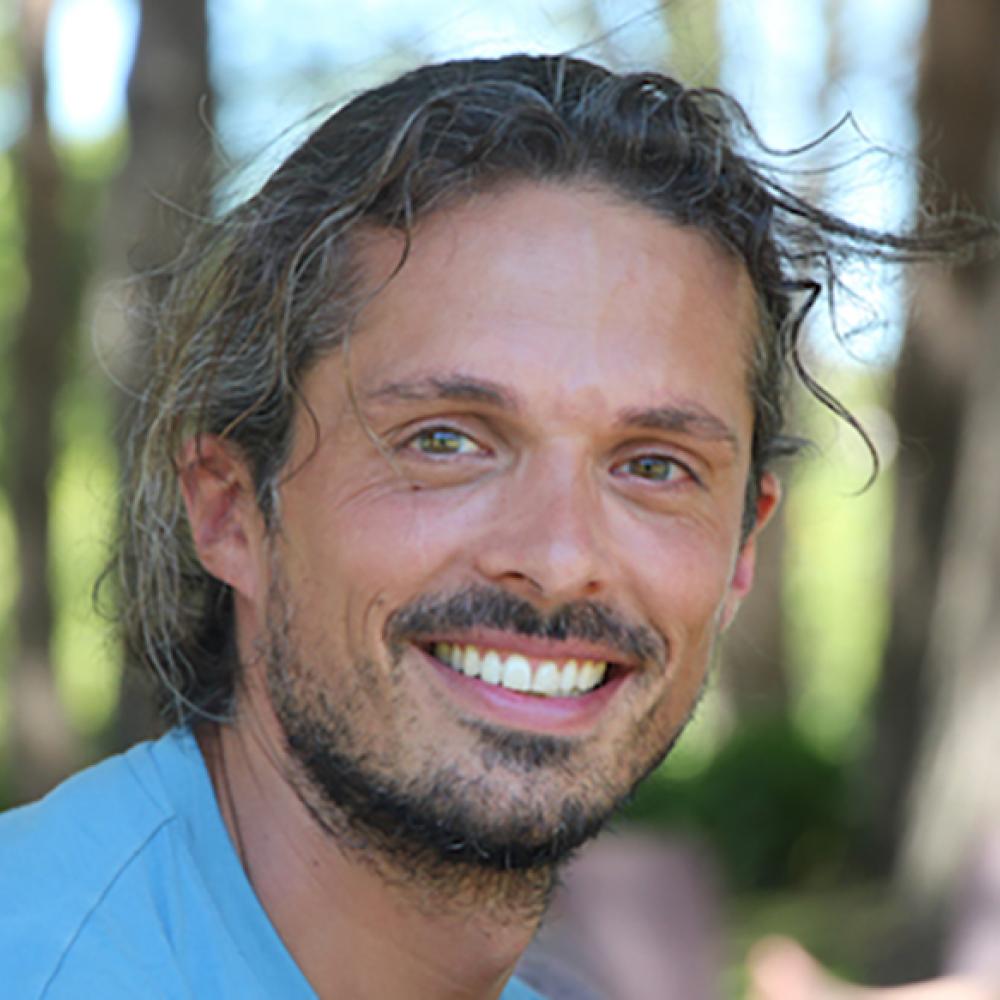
(517,672)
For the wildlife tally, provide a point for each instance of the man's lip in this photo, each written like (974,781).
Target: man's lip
(532,647)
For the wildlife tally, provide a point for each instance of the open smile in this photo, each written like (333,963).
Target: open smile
(526,674)
(534,686)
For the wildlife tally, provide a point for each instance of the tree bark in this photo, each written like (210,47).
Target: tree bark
(958,107)
(955,797)
(42,746)
(166,177)
(165,180)
(754,677)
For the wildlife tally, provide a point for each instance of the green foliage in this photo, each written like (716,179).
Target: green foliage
(10,59)
(83,491)
(83,485)
(90,165)
(837,566)
(773,808)
(8,590)
(848,928)
(13,286)
(83,481)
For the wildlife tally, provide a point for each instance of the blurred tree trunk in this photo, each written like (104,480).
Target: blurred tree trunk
(926,686)
(754,677)
(42,745)
(955,795)
(165,179)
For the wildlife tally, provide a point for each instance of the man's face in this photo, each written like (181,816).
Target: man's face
(540,487)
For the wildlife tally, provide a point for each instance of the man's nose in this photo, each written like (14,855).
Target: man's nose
(547,541)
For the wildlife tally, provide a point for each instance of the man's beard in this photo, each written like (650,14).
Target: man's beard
(438,824)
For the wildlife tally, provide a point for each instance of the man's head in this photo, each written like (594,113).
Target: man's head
(495,359)
(532,461)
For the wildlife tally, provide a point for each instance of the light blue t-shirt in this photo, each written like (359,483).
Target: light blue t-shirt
(123,883)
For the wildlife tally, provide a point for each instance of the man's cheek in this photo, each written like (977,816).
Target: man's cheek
(433,527)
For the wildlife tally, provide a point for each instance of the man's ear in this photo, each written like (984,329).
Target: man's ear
(768,498)
(226,524)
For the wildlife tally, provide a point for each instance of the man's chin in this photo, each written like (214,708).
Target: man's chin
(449,819)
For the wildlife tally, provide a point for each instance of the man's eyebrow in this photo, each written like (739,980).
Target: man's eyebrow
(457,388)
(685,419)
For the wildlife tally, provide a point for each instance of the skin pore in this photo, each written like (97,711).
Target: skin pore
(558,435)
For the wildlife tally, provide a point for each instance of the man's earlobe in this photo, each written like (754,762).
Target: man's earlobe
(768,498)
(226,524)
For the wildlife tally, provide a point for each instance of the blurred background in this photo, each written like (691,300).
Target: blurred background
(841,781)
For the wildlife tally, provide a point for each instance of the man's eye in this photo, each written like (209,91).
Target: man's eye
(655,468)
(443,441)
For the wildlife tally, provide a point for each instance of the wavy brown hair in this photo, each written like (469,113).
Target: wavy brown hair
(265,291)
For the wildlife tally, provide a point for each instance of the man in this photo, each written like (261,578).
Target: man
(449,470)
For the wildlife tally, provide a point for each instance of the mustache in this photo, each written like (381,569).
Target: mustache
(492,607)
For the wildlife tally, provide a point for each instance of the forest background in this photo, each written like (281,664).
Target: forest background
(842,770)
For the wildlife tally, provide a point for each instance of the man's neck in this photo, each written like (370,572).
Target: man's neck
(353,928)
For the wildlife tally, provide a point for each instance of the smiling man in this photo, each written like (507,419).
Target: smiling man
(447,475)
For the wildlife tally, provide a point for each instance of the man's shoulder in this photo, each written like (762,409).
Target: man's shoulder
(89,826)
(94,821)
(123,882)
(66,856)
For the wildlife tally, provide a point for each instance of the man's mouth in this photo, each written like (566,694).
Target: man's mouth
(552,678)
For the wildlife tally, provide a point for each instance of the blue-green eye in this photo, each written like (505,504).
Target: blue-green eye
(656,468)
(443,441)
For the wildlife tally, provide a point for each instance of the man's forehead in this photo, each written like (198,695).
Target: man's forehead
(553,275)
(483,207)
